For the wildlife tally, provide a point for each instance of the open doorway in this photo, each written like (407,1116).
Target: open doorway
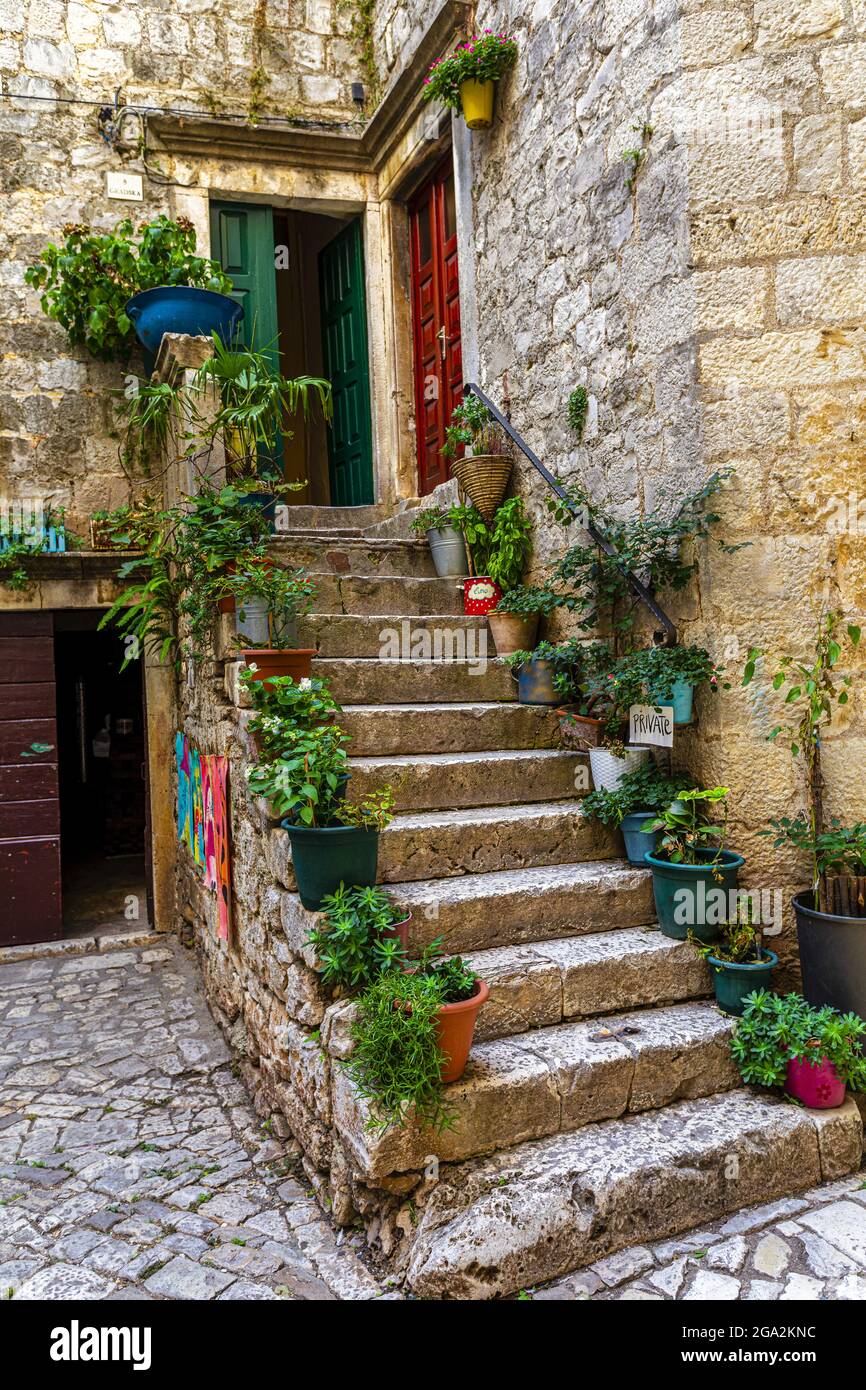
(102,779)
(300,277)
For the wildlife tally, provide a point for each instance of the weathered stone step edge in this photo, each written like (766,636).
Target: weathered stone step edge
(551,982)
(359,555)
(447,844)
(490,1227)
(382,636)
(451,781)
(551,1081)
(364,680)
(402,596)
(380,730)
(510,907)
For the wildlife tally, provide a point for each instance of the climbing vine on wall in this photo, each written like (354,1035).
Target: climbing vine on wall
(259,79)
(363,13)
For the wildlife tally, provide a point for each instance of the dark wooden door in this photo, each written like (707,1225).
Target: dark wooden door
(30,904)
(342,293)
(435,320)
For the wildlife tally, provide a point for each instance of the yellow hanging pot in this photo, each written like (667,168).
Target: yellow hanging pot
(476,99)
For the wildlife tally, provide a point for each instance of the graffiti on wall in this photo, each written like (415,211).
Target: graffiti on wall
(203,820)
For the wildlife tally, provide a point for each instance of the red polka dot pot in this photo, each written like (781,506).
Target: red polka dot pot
(480,595)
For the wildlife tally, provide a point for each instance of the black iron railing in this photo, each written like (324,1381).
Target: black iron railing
(667,632)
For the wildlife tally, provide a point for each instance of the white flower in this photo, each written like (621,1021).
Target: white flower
(305,683)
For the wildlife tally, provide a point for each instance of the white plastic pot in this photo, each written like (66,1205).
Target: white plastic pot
(608,769)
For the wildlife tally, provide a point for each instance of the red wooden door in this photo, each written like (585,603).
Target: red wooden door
(30,908)
(435,320)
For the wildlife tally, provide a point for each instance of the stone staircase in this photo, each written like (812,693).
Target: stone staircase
(600,1107)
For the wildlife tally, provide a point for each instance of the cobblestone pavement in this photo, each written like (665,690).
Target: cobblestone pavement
(132,1165)
(800,1248)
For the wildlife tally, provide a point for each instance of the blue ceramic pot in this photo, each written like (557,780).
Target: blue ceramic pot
(681,698)
(182,309)
(682,892)
(638,842)
(535,683)
(734,983)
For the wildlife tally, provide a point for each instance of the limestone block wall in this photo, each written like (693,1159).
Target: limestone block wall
(713,310)
(295,58)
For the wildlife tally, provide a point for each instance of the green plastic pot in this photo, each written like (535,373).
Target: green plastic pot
(734,982)
(638,843)
(681,892)
(325,856)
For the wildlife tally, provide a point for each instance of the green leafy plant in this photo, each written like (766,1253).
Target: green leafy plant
(658,547)
(306,781)
(284,707)
(287,593)
(87,282)
(482,57)
(471,427)
(740,942)
(351,937)
(528,600)
(648,675)
(812,692)
(430,519)
(688,833)
(375,811)
(776,1029)
(499,551)
(397,1062)
(645,788)
(578,405)
(13,557)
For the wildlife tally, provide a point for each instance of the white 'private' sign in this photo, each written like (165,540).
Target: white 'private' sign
(646,724)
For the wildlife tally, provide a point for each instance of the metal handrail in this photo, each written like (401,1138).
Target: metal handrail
(668,631)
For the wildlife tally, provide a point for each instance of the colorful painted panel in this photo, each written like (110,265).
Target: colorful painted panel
(203,820)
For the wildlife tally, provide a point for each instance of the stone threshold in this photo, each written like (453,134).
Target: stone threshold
(80,946)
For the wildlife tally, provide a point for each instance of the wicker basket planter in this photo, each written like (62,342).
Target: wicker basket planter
(484,478)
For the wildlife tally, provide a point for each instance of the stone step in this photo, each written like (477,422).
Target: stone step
(448,844)
(583,977)
(513,906)
(348,554)
(404,596)
(443,781)
(304,516)
(551,1081)
(365,681)
(436,636)
(448,728)
(481,840)
(481,912)
(492,1226)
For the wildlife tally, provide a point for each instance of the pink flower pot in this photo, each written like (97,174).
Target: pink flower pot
(817,1086)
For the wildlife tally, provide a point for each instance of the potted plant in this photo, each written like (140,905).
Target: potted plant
(514,621)
(445,538)
(738,961)
(645,791)
(693,875)
(466,80)
(360,934)
(481,470)
(831,921)
(534,673)
(813,1053)
(413,1035)
(268,602)
(106,287)
(667,676)
(284,706)
(497,553)
(333,840)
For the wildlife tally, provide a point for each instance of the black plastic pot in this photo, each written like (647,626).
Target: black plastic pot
(832,957)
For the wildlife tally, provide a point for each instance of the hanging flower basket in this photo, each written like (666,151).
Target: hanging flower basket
(484,478)
(466,79)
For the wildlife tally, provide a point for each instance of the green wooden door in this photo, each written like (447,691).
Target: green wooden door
(242,240)
(344,347)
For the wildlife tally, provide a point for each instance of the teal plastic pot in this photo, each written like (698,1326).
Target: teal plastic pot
(638,843)
(325,856)
(733,983)
(681,698)
(686,895)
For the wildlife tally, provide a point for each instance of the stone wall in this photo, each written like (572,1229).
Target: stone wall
(715,314)
(295,58)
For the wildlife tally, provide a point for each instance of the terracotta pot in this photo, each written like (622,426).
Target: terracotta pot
(818,1087)
(399,931)
(513,632)
(279,661)
(579,731)
(227,604)
(480,595)
(456,1027)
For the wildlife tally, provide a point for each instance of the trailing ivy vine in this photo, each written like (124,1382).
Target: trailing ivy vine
(363,15)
